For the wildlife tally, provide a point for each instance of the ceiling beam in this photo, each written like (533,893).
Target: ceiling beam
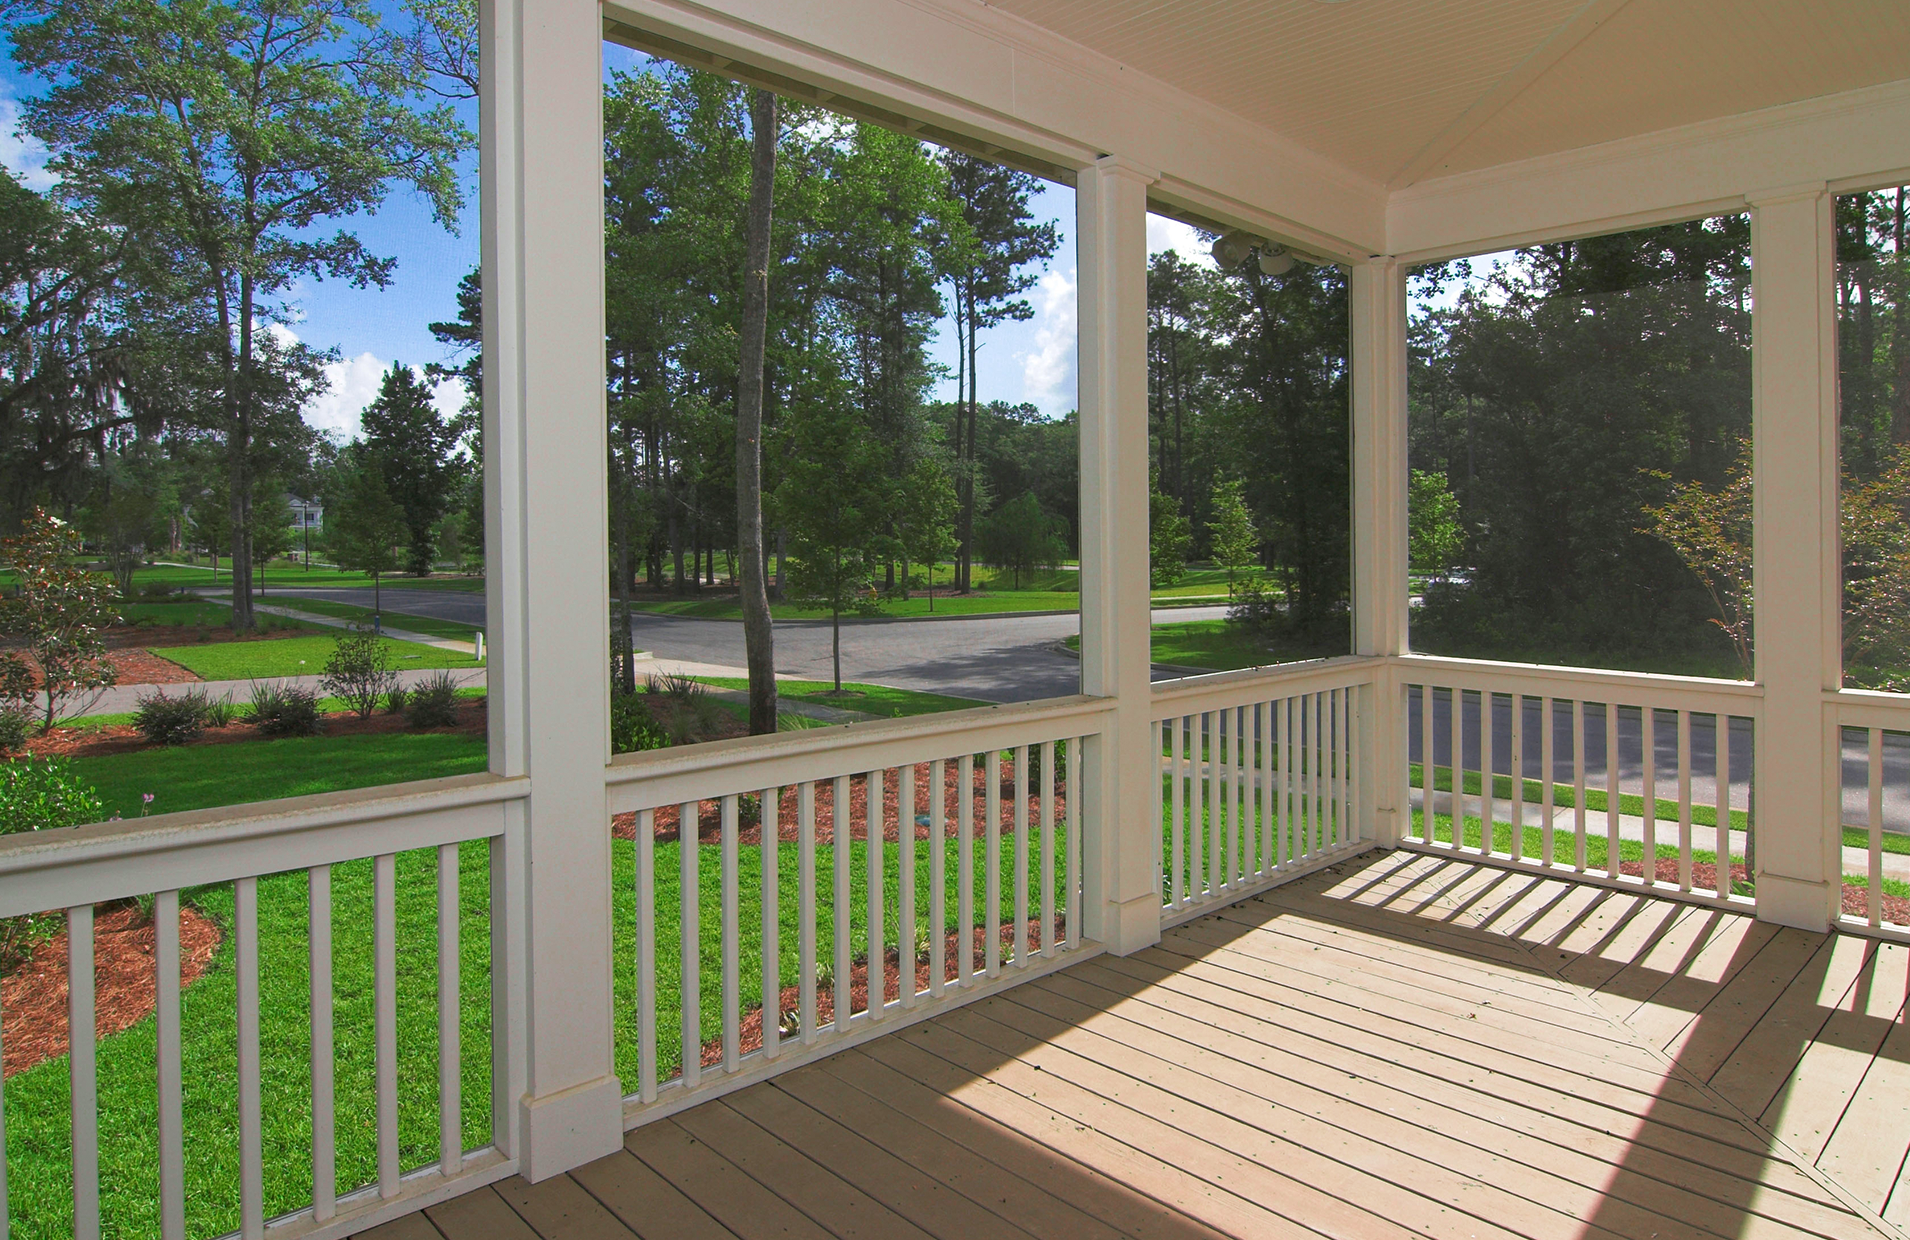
(1557,45)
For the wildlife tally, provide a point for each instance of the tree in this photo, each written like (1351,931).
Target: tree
(1236,544)
(1168,534)
(924,511)
(413,443)
(364,527)
(271,534)
(1711,532)
(125,516)
(758,639)
(1021,538)
(220,138)
(1434,537)
(58,612)
(1876,529)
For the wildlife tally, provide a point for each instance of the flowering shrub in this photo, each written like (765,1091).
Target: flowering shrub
(44,796)
(59,611)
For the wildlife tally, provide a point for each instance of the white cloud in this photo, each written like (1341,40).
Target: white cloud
(1047,373)
(1166,234)
(23,155)
(354,384)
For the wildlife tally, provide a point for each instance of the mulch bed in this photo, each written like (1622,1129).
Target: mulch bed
(1704,877)
(125,738)
(710,813)
(33,998)
(750,1028)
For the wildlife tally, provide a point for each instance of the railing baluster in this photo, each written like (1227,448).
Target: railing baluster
(245,968)
(450,1050)
(1611,791)
(646,956)
(1648,760)
(689,832)
(1578,785)
(1177,815)
(1293,824)
(769,820)
(965,867)
(1428,769)
(81,1030)
(1021,856)
(318,887)
(1047,841)
(731,807)
(1488,773)
(171,1129)
(1547,774)
(1073,807)
(1243,803)
(1875,895)
(876,947)
(1263,725)
(1354,756)
(1319,772)
(905,955)
(991,863)
(1721,770)
(937,898)
(1517,765)
(1216,809)
(1684,800)
(1345,715)
(384,952)
(806,909)
(1456,804)
(841,991)
(1196,809)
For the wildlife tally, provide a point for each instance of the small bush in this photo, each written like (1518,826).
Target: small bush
(360,671)
(397,698)
(676,686)
(15,724)
(434,701)
(221,713)
(284,710)
(171,720)
(632,726)
(45,796)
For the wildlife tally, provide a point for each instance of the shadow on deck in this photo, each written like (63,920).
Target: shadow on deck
(1400,1045)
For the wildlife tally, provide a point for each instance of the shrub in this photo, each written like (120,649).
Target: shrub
(434,701)
(221,712)
(171,720)
(676,686)
(632,726)
(15,724)
(360,671)
(397,698)
(284,710)
(44,796)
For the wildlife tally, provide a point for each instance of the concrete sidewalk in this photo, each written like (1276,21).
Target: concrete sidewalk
(124,699)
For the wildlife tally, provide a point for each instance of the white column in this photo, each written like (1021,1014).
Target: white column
(1121,839)
(1378,292)
(1796,562)
(547,591)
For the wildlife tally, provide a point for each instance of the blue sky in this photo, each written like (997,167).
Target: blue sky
(1031,361)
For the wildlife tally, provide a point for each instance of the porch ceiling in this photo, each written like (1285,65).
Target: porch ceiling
(1401,90)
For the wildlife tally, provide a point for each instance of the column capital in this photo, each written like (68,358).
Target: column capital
(1122,166)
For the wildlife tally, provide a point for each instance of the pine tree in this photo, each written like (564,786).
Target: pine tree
(413,444)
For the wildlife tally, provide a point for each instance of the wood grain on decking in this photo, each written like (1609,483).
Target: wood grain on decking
(1398,1046)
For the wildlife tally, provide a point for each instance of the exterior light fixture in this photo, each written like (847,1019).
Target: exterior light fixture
(1275,260)
(1231,249)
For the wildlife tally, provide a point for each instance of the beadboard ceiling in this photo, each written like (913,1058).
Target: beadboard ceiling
(1404,90)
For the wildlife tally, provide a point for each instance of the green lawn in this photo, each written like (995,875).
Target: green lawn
(428,625)
(286,575)
(983,604)
(194,614)
(869,699)
(295,656)
(1221,646)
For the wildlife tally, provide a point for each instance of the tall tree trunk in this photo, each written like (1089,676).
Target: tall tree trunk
(1899,338)
(758,639)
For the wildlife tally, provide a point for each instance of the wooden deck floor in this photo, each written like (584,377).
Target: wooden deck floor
(1401,1046)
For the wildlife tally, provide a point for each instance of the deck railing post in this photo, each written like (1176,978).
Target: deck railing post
(546,591)
(1122,839)
(1796,562)
(1378,296)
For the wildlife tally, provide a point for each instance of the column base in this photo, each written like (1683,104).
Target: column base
(570,1128)
(1130,926)
(1797,902)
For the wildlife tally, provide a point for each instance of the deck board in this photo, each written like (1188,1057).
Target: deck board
(1399,1045)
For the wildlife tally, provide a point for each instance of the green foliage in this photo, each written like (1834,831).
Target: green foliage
(359,671)
(18,688)
(411,445)
(1236,544)
(167,720)
(133,494)
(280,709)
(1169,535)
(44,796)
(1711,532)
(632,727)
(433,701)
(1434,537)
(58,612)
(1876,537)
(364,526)
(1021,538)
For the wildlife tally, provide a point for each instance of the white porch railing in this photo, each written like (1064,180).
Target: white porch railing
(1260,778)
(1567,770)
(1874,731)
(999,882)
(257,853)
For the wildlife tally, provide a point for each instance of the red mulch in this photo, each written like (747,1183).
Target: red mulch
(750,1029)
(33,998)
(1704,876)
(710,813)
(125,738)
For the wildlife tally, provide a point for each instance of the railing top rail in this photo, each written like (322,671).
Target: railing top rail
(109,860)
(1868,708)
(1249,683)
(750,763)
(1583,683)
